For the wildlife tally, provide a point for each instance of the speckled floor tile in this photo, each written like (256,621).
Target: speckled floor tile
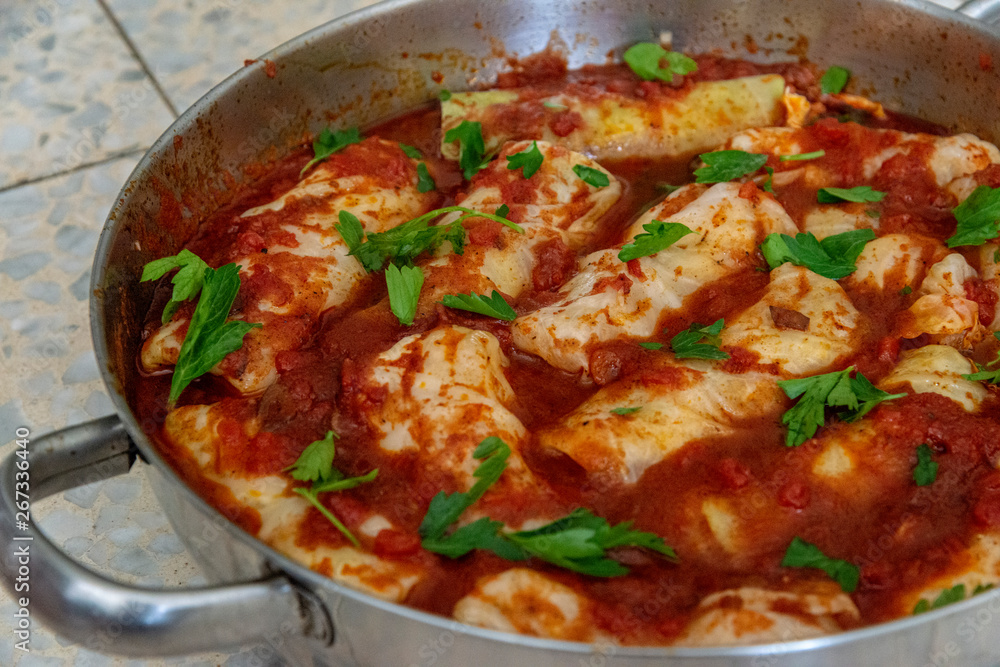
(192,46)
(48,233)
(71,93)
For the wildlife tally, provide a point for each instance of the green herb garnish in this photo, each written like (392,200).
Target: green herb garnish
(187,281)
(688,344)
(445,508)
(984,375)
(315,465)
(404,285)
(425,183)
(723,166)
(802,156)
(626,411)
(860,194)
(768,185)
(210,337)
(591,176)
(836,390)
(402,244)
(925,472)
(492,306)
(834,257)
(949,595)
(658,236)
(471,147)
(328,143)
(803,554)
(411,151)
(528,161)
(578,542)
(978,217)
(645,60)
(834,80)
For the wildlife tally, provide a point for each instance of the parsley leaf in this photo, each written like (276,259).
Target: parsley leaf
(687,344)
(802,156)
(350,230)
(626,411)
(445,508)
(315,465)
(906,290)
(528,161)
(209,337)
(492,306)
(425,183)
(404,291)
(444,95)
(471,147)
(668,188)
(868,396)
(644,59)
(991,377)
(724,166)
(480,534)
(328,143)
(651,346)
(834,80)
(925,472)
(344,483)
(555,106)
(808,414)
(591,176)
(411,151)
(947,596)
(402,244)
(803,554)
(580,540)
(978,217)
(860,194)
(836,390)
(187,281)
(313,498)
(658,236)
(768,185)
(833,257)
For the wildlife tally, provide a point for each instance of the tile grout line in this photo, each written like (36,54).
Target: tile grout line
(110,158)
(138,56)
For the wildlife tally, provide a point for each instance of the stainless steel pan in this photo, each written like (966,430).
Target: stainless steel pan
(913,56)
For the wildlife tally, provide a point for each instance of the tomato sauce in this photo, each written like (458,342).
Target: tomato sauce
(900,534)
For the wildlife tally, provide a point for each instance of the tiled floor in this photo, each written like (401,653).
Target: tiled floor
(85,87)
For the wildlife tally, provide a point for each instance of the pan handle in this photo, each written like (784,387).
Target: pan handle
(107,616)
(987,11)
